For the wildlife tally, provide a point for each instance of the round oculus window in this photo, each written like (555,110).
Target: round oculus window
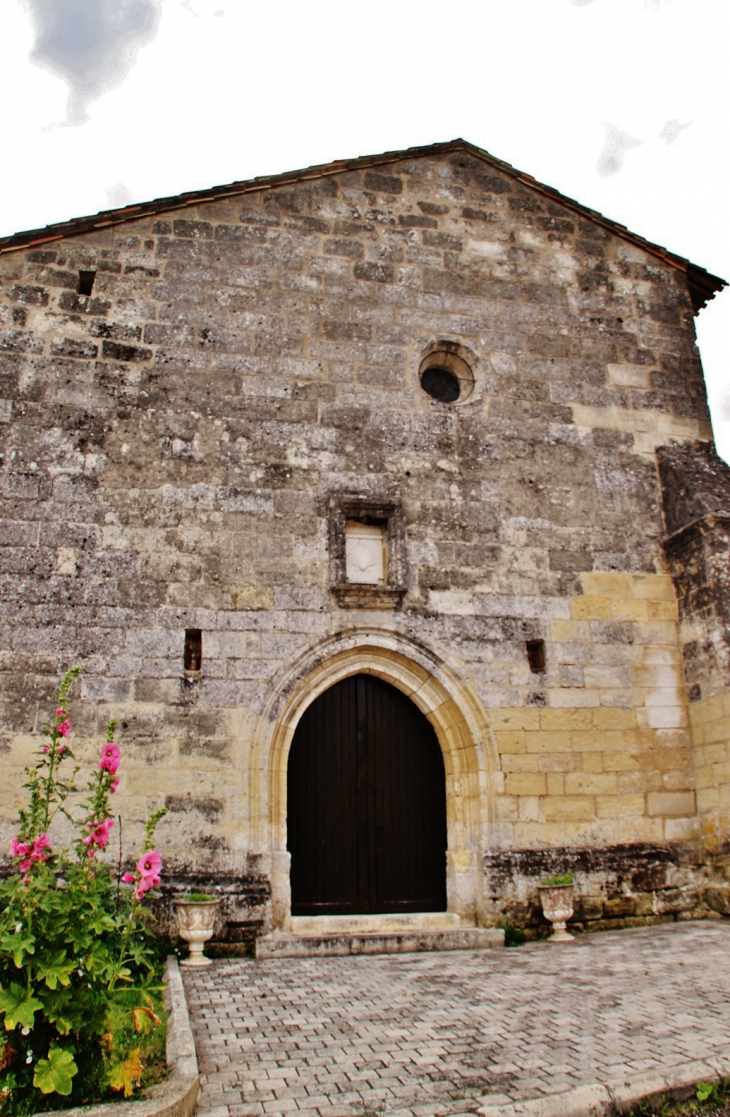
(440,384)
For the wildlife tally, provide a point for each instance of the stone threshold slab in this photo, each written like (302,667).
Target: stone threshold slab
(177,1096)
(386,942)
(376,924)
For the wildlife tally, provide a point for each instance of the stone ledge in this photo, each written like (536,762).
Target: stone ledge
(368,597)
(177,1096)
(599,1100)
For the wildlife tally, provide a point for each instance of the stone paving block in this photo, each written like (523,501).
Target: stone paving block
(465,1032)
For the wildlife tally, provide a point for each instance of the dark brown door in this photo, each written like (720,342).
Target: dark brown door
(366,804)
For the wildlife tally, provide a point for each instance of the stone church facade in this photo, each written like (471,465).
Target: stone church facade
(416,418)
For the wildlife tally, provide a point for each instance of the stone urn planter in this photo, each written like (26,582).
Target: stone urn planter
(556,897)
(195,921)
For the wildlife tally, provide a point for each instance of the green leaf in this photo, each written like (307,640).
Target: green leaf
(19,1006)
(22,944)
(17,945)
(56,970)
(123,1075)
(54,1075)
(62,1009)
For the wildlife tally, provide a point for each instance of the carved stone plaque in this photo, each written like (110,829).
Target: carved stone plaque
(365,553)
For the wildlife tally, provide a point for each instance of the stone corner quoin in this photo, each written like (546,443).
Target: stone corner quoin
(185,445)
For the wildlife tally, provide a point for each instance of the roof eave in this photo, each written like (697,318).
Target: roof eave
(703,286)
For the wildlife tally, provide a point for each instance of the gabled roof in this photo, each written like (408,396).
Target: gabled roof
(702,285)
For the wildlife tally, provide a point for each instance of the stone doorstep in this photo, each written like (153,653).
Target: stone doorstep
(177,1096)
(375,924)
(372,942)
(598,1100)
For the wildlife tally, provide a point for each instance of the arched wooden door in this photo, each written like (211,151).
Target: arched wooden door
(366,804)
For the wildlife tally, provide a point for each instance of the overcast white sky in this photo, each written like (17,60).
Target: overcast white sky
(621,104)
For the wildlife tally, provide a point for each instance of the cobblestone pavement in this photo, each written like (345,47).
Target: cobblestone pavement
(443,1033)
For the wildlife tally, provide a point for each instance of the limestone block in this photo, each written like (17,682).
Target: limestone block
(671,804)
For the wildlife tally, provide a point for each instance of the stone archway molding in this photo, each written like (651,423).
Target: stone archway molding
(441,690)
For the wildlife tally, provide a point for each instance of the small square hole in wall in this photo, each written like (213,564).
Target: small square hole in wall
(86,282)
(193,654)
(365,553)
(536,656)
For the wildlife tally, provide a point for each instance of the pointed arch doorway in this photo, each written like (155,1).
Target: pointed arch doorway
(366,795)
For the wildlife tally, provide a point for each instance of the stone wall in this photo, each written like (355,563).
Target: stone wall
(177,444)
(696,489)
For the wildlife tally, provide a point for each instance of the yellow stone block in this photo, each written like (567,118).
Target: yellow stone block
(559,762)
(575,697)
(654,587)
(599,583)
(716,753)
(545,742)
(717,730)
(590,783)
(592,761)
(525,783)
(704,777)
(566,720)
(613,718)
(614,806)
(628,610)
(592,741)
(722,773)
(522,762)
(511,742)
(708,797)
(555,783)
(570,632)
(662,610)
(671,804)
(569,807)
(621,762)
(590,608)
(511,718)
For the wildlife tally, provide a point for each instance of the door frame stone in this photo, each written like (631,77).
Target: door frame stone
(442,690)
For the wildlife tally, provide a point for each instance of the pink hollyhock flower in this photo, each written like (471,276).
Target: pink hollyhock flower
(150,864)
(61,750)
(145,883)
(39,845)
(45,749)
(110,755)
(19,849)
(24,866)
(64,728)
(99,833)
(129,878)
(60,712)
(114,785)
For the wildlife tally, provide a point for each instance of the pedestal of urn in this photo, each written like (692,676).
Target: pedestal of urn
(195,922)
(557,906)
